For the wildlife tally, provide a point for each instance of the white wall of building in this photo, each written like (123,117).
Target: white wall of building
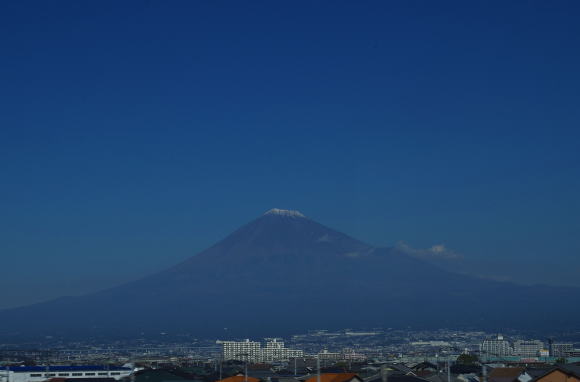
(26,375)
(252,351)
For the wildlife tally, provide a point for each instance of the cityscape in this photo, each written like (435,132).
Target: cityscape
(434,356)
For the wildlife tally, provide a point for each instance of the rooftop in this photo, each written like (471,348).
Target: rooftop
(239,378)
(333,377)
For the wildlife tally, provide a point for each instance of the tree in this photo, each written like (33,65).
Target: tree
(467,359)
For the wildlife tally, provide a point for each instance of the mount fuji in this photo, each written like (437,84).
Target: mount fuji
(284,273)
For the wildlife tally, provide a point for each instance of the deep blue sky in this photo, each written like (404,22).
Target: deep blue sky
(134,134)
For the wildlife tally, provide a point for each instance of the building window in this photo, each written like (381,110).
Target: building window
(63,374)
(36,375)
(86,374)
(115,373)
(102,373)
(77,374)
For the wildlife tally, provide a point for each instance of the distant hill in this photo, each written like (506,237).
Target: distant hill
(285,273)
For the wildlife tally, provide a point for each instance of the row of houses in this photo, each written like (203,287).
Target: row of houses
(401,373)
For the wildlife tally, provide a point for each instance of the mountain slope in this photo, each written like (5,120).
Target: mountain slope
(284,273)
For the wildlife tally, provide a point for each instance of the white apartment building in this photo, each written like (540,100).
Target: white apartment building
(326,355)
(42,373)
(241,350)
(275,350)
(350,354)
(252,351)
(497,347)
(528,348)
(347,354)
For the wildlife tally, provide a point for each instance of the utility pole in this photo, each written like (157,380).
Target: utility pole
(384,375)
(448,370)
(246,373)
(295,366)
(318,368)
(247,359)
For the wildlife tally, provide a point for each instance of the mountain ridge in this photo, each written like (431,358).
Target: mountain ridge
(284,273)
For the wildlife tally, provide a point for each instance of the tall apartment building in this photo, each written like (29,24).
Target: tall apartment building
(497,346)
(275,350)
(528,348)
(252,351)
(241,350)
(560,350)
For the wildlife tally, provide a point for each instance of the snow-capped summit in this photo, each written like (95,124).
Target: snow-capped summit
(277,211)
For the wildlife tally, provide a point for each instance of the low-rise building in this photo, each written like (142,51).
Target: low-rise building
(560,374)
(560,349)
(240,378)
(508,374)
(335,377)
(326,355)
(43,373)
